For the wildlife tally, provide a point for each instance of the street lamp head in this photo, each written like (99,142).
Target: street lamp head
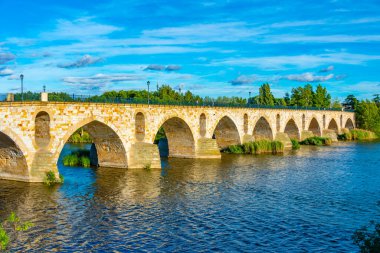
(148,83)
(21,76)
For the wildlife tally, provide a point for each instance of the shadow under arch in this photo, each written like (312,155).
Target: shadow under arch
(108,149)
(179,137)
(292,130)
(349,124)
(13,162)
(314,127)
(262,130)
(333,125)
(226,133)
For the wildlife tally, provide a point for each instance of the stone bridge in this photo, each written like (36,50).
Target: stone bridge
(33,134)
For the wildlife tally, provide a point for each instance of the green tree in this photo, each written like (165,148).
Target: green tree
(265,95)
(302,96)
(368,116)
(350,102)
(368,238)
(336,104)
(321,98)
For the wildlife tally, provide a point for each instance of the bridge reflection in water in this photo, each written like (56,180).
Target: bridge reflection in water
(299,200)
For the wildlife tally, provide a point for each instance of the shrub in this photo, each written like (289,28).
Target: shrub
(85,161)
(10,229)
(50,179)
(360,134)
(316,141)
(295,144)
(78,158)
(4,238)
(256,147)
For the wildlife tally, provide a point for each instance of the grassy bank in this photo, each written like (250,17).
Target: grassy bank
(317,141)
(256,147)
(357,134)
(80,136)
(77,158)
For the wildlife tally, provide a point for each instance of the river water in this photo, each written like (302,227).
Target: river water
(310,200)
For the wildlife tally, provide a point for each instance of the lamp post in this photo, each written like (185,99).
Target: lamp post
(180,97)
(249,98)
(148,83)
(22,87)
(44,88)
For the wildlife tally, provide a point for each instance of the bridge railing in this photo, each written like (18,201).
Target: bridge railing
(30,97)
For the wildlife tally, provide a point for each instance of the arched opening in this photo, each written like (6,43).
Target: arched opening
(349,124)
(303,121)
(292,130)
(314,127)
(202,125)
(278,122)
(98,143)
(226,133)
(262,130)
(140,126)
(175,139)
(245,123)
(12,159)
(333,125)
(42,129)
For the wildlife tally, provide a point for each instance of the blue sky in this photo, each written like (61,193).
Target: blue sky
(214,48)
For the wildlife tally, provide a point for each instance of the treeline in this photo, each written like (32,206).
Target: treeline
(367,112)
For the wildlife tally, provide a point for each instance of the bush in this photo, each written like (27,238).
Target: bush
(50,179)
(360,134)
(10,229)
(317,141)
(295,144)
(256,147)
(78,158)
(357,134)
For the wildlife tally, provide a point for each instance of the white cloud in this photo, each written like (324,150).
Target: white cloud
(86,60)
(101,78)
(328,69)
(79,29)
(241,80)
(308,77)
(298,61)
(6,57)
(5,72)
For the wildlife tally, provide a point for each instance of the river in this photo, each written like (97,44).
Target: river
(310,200)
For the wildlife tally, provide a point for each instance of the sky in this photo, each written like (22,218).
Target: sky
(212,48)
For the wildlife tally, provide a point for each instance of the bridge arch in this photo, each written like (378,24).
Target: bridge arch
(108,149)
(292,130)
(179,136)
(42,129)
(314,127)
(13,156)
(349,124)
(226,133)
(140,126)
(278,122)
(262,129)
(333,125)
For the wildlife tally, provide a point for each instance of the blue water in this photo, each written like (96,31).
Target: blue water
(311,200)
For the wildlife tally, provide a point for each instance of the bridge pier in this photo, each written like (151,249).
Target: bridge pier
(207,148)
(330,134)
(306,134)
(284,138)
(142,154)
